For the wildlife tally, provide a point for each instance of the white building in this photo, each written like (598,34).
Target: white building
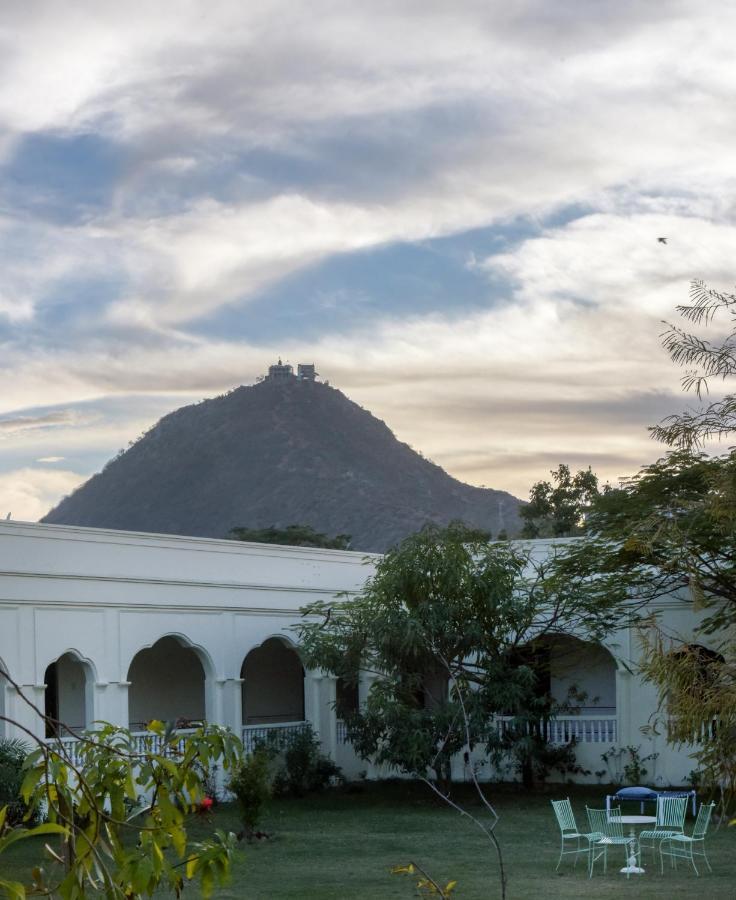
(125,627)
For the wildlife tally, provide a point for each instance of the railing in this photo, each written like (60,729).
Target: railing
(276,734)
(341,732)
(143,742)
(562,729)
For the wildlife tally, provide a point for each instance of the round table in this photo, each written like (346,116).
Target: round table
(634,867)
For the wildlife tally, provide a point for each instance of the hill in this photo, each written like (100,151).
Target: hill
(279,453)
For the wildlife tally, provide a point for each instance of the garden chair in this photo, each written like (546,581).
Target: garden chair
(670,820)
(606,822)
(569,831)
(684,846)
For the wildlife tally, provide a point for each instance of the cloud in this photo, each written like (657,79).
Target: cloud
(10,425)
(167,164)
(50,459)
(29,493)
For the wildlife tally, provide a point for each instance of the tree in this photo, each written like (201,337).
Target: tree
(119,806)
(670,531)
(559,508)
(442,626)
(291,536)
(711,361)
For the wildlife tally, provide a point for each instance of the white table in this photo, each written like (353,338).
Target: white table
(634,865)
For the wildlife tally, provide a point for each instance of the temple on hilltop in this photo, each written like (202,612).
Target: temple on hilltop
(281,372)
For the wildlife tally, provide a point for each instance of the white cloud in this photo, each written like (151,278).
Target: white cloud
(50,459)
(487,112)
(29,493)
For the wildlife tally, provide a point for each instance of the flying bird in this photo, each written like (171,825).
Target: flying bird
(662,240)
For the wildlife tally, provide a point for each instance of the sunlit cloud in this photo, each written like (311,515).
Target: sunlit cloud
(188,191)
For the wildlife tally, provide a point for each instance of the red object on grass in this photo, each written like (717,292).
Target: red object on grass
(206,804)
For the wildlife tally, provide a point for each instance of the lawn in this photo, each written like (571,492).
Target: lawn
(342,844)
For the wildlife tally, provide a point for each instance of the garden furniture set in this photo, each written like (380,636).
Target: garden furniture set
(606,829)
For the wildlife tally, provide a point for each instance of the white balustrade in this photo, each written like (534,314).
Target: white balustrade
(273,733)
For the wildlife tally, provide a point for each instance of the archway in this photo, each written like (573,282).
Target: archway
(273,684)
(583,674)
(167,681)
(69,694)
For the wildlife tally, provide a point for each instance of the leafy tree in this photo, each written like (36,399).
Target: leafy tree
(558,508)
(119,805)
(443,626)
(709,361)
(442,617)
(291,536)
(670,531)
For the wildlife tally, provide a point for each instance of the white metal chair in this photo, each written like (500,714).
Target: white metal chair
(607,823)
(569,832)
(670,820)
(684,846)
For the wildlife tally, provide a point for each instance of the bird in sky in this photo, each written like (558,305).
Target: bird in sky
(662,240)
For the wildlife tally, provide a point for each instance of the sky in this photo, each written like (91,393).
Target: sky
(452,208)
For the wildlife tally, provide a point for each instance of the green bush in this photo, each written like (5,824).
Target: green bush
(251,784)
(12,757)
(305,769)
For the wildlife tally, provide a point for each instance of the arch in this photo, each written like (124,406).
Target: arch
(170,680)
(202,653)
(69,692)
(273,683)
(572,670)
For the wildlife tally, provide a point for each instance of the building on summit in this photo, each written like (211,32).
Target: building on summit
(283,372)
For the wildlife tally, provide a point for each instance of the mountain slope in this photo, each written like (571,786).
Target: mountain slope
(278,454)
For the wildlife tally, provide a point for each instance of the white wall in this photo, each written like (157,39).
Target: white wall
(106,595)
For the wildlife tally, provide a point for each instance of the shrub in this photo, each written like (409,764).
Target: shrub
(251,784)
(12,756)
(305,768)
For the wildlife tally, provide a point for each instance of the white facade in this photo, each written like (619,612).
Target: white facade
(125,627)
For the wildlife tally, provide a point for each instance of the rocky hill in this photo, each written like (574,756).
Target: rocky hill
(278,454)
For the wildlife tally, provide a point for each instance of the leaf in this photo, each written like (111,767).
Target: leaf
(33,776)
(450,887)
(14,890)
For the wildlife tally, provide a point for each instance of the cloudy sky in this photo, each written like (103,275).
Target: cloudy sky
(452,208)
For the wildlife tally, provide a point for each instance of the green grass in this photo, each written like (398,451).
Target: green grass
(341,845)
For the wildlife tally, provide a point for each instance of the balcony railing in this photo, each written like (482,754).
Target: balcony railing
(561,730)
(143,742)
(276,734)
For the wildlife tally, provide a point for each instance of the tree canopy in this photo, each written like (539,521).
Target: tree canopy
(558,508)
(292,536)
(444,626)
(707,361)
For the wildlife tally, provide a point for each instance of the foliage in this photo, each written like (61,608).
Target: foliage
(425,884)
(305,769)
(441,624)
(9,835)
(710,362)
(628,764)
(113,789)
(671,526)
(291,536)
(251,784)
(558,508)
(13,753)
